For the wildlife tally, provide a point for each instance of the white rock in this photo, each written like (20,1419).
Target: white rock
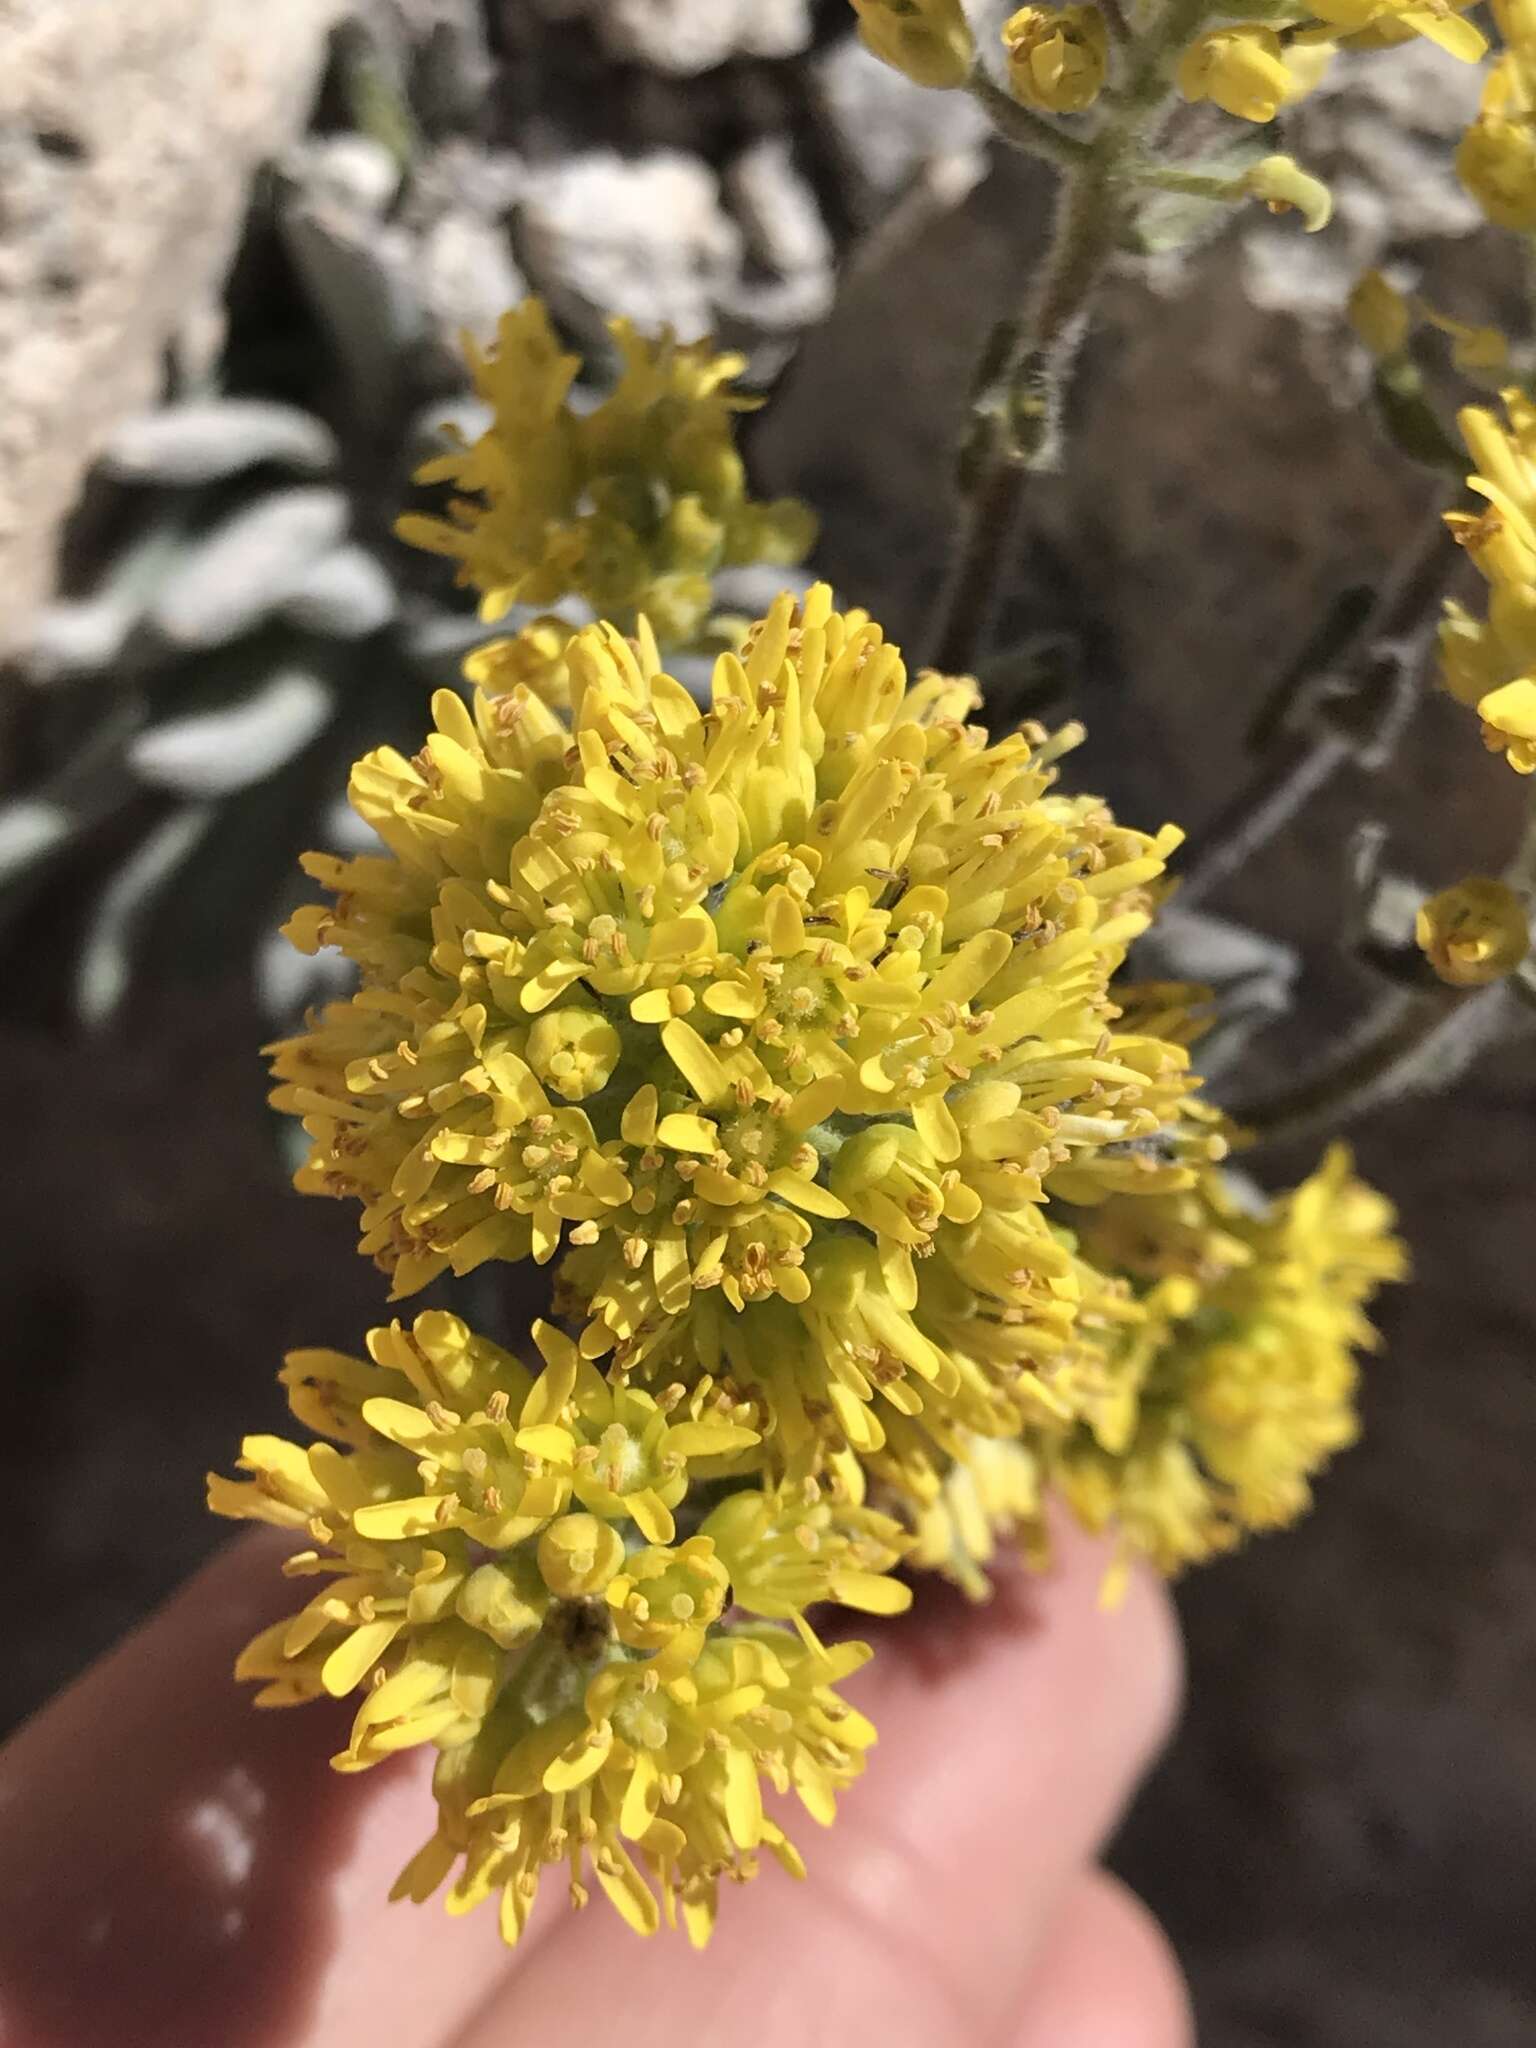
(601,234)
(689,36)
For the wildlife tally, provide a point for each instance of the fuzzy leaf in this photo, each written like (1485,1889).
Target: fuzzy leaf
(204,440)
(212,753)
(248,565)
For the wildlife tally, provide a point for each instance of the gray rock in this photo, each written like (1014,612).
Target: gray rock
(884,127)
(600,234)
(777,209)
(467,276)
(122,190)
(347,170)
(688,36)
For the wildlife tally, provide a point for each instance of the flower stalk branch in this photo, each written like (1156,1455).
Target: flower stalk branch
(1015,427)
(1352,710)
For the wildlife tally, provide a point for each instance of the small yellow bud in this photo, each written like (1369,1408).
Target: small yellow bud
(1058,58)
(1242,70)
(578,1555)
(929,41)
(491,1601)
(574,1051)
(1496,161)
(1474,933)
(1282,184)
(1380,315)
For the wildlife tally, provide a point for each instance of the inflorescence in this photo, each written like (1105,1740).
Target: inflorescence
(786,1035)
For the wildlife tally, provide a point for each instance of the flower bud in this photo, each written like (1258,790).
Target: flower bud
(578,1555)
(929,41)
(1282,184)
(1242,70)
(1380,316)
(1474,933)
(491,1601)
(1057,57)
(574,1051)
(1509,723)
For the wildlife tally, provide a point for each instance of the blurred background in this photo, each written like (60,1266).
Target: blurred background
(277,232)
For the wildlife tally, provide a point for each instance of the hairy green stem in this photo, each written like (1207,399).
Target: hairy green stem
(1025,129)
(1016,421)
(1015,428)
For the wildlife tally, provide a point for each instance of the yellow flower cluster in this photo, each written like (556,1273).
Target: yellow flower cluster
(1241,1383)
(781,1022)
(1490,662)
(632,505)
(785,1034)
(1219,1404)
(502,1574)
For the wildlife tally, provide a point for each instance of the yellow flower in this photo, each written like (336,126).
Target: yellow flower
(1496,161)
(1491,662)
(534,657)
(642,1772)
(500,1577)
(632,505)
(1240,1382)
(928,40)
(1058,58)
(1376,24)
(1474,933)
(679,997)
(1243,70)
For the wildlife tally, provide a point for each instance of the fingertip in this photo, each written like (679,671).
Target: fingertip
(1107,1977)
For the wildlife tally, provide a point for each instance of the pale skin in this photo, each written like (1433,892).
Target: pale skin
(179,1871)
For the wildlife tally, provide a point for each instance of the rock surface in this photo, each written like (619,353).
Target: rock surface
(125,155)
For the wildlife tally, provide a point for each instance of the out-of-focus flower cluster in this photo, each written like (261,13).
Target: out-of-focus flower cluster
(1221,1400)
(632,505)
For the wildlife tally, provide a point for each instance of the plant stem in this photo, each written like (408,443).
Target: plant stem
(1015,429)
(1023,127)
(1354,712)
(1397,1051)
(1016,420)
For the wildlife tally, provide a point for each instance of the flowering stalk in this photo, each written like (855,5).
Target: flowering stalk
(1016,413)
